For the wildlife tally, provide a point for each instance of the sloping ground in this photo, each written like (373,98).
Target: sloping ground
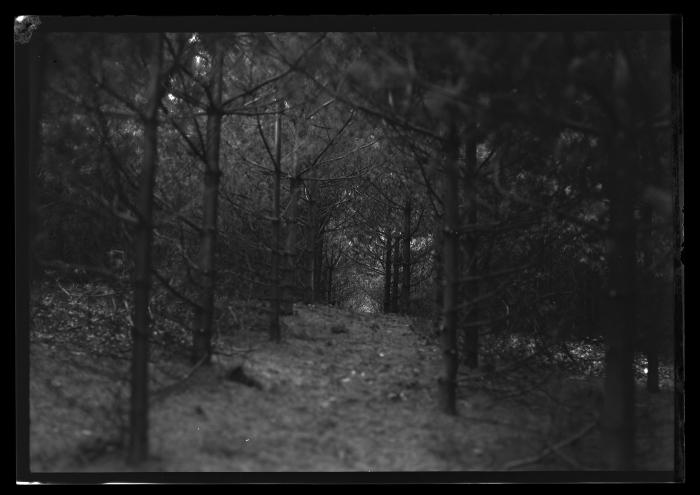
(342,392)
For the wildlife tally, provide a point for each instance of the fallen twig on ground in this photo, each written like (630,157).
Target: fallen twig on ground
(163,392)
(551,448)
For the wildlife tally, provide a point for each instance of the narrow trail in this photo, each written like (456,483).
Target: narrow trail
(342,392)
(360,400)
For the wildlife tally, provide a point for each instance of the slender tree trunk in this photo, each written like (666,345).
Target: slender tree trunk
(308,284)
(486,268)
(201,341)
(330,298)
(448,383)
(387,274)
(438,271)
(406,258)
(395,276)
(295,184)
(650,326)
(138,432)
(652,369)
(275,334)
(471,332)
(618,411)
(618,418)
(318,279)
(314,234)
(650,340)
(310,231)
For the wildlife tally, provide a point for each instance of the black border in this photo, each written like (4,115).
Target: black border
(418,477)
(493,21)
(677,110)
(476,21)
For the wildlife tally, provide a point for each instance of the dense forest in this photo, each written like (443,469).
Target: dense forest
(354,251)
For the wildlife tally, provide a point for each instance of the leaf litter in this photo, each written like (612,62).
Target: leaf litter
(365,402)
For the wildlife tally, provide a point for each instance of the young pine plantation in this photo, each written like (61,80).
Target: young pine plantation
(352,252)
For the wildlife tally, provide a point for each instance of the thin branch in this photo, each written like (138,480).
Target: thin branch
(267,145)
(329,144)
(550,448)
(163,392)
(355,150)
(392,120)
(173,290)
(198,152)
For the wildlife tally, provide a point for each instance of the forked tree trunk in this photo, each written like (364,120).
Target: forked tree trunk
(387,274)
(201,341)
(406,258)
(448,382)
(138,416)
(471,330)
(275,334)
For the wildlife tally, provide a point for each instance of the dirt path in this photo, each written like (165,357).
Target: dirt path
(342,392)
(359,399)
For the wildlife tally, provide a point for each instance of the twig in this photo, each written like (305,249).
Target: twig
(160,278)
(64,290)
(551,448)
(163,392)
(571,461)
(72,267)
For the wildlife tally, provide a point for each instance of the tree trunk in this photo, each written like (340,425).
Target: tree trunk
(650,343)
(310,235)
(617,420)
(318,267)
(471,331)
(438,271)
(275,334)
(201,341)
(406,258)
(295,184)
(308,278)
(618,413)
(329,297)
(448,383)
(138,431)
(314,234)
(395,276)
(387,274)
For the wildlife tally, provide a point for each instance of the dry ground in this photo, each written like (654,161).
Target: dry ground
(343,392)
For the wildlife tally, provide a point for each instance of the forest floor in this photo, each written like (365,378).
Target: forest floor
(343,391)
